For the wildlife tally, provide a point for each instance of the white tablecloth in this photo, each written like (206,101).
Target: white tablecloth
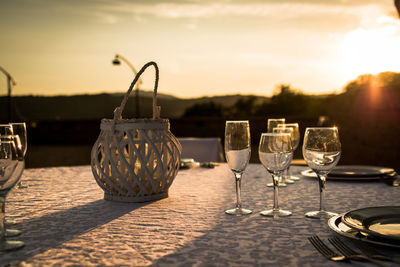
(65,221)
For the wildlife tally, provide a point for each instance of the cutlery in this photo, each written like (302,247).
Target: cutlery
(372,253)
(392,179)
(325,250)
(350,253)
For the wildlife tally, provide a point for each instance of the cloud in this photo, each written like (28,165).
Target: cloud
(203,9)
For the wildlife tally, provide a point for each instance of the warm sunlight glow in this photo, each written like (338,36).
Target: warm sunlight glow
(370,51)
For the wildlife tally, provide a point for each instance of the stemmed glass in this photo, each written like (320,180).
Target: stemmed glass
(237,152)
(19,128)
(18,155)
(321,151)
(275,152)
(10,170)
(285,177)
(295,144)
(271,124)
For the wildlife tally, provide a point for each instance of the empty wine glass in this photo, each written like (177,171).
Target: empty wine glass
(275,152)
(19,128)
(285,178)
(18,173)
(321,151)
(271,124)
(6,129)
(295,143)
(237,153)
(9,176)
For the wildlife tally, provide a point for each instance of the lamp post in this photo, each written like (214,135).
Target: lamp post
(10,83)
(117,61)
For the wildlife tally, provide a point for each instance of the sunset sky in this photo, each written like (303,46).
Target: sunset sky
(202,47)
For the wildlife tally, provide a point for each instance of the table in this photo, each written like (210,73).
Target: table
(65,220)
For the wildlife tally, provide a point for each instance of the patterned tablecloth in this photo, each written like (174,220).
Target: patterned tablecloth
(65,221)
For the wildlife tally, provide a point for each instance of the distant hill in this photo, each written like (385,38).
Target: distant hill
(98,106)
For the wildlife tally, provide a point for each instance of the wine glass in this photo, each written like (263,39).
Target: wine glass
(285,178)
(18,154)
(321,151)
(10,170)
(6,129)
(295,144)
(237,153)
(19,128)
(275,152)
(271,124)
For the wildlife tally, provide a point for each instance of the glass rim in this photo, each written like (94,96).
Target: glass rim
(321,128)
(240,121)
(290,124)
(275,134)
(9,136)
(277,119)
(286,128)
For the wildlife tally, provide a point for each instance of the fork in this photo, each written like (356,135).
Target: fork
(325,250)
(372,253)
(350,253)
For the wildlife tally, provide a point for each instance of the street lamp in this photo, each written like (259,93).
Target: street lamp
(117,61)
(10,83)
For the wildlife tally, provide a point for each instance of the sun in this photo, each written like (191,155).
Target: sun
(370,51)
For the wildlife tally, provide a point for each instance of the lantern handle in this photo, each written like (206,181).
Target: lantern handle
(156,109)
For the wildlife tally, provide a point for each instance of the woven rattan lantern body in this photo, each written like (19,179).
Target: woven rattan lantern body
(135,160)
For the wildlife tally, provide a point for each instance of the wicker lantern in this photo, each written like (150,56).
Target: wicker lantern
(135,160)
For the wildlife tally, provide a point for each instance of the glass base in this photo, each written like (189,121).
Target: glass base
(11,245)
(294,178)
(22,185)
(281,184)
(238,211)
(288,181)
(276,213)
(10,222)
(320,214)
(12,232)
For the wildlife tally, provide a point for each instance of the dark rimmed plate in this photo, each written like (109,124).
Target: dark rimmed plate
(382,222)
(354,173)
(336,224)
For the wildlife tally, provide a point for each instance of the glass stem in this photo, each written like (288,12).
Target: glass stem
(238,179)
(322,182)
(2,217)
(275,178)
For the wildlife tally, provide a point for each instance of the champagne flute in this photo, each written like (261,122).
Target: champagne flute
(10,170)
(19,128)
(275,152)
(237,152)
(321,151)
(295,144)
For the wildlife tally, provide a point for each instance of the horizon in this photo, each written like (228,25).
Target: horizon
(53,47)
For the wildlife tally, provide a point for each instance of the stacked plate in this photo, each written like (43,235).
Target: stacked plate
(378,225)
(356,173)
